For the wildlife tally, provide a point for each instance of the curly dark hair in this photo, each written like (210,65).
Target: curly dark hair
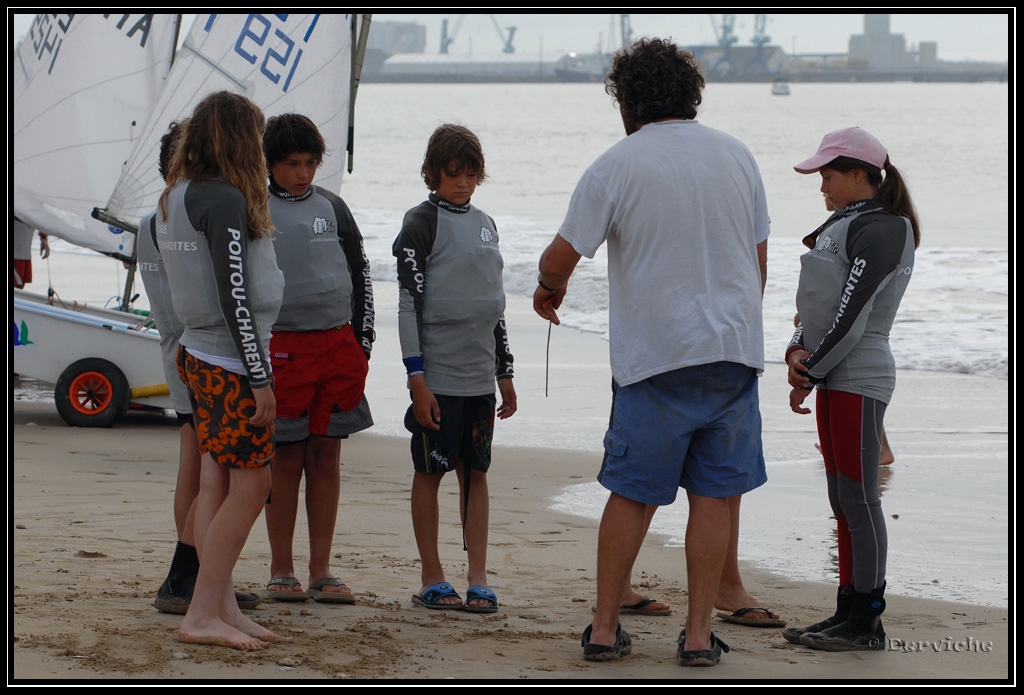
(655,79)
(452,148)
(169,141)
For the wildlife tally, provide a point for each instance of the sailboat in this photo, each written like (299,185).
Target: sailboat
(104,361)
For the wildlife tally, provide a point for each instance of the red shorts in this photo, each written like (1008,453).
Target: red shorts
(316,374)
(22,271)
(222,403)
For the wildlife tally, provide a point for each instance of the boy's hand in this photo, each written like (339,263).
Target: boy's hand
(508,405)
(424,406)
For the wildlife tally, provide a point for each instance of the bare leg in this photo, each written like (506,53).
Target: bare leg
(477,518)
(886,457)
(425,519)
(323,491)
(229,502)
(186,488)
(631,597)
(708,530)
(619,538)
(286,475)
(732,595)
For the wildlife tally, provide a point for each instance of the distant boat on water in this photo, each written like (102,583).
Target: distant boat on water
(583,67)
(780,87)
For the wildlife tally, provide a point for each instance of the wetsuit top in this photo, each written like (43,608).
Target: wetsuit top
(851,284)
(154,278)
(326,274)
(226,287)
(451,299)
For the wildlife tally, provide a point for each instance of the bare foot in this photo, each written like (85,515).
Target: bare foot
(632,598)
(219,633)
(253,629)
(731,600)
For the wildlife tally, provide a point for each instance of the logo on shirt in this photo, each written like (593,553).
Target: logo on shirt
(322,225)
(827,244)
(488,236)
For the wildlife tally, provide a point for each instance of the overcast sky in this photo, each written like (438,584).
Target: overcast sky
(979,36)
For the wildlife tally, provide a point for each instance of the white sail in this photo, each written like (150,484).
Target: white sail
(285,63)
(83,87)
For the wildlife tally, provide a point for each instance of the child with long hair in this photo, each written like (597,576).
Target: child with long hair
(851,283)
(214,236)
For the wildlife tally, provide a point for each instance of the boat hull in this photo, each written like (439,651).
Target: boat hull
(48,341)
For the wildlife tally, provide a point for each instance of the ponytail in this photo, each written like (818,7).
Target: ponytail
(893,193)
(895,198)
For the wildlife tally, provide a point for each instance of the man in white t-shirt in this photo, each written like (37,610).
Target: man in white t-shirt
(682,209)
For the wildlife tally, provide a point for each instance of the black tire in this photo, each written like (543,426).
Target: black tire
(92,393)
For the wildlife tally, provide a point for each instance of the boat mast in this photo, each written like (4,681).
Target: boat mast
(358,51)
(132,264)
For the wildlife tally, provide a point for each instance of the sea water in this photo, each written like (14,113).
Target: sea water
(950,142)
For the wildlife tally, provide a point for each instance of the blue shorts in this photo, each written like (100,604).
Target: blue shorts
(467,429)
(698,428)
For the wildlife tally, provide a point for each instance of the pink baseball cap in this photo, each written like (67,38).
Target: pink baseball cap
(848,142)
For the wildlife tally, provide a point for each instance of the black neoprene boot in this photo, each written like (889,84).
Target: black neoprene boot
(175,594)
(862,631)
(844,598)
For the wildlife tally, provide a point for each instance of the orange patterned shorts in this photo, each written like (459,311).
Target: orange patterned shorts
(222,403)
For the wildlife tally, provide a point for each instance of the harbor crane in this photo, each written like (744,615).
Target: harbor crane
(448,38)
(507,47)
(725,38)
(758,63)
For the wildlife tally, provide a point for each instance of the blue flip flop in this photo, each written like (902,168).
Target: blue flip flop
(481,592)
(430,596)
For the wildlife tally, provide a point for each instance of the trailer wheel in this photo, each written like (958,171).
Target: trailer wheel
(92,393)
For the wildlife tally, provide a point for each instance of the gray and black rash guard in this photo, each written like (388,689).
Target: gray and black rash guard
(226,287)
(326,273)
(851,284)
(451,299)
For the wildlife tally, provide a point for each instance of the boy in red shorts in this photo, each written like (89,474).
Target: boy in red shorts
(320,352)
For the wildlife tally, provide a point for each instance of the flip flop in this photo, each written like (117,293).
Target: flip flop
(742,617)
(481,592)
(430,596)
(317,594)
(601,652)
(640,608)
(290,595)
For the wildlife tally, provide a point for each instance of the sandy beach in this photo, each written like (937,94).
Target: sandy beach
(92,534)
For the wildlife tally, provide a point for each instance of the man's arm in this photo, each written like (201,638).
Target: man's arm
(557,264)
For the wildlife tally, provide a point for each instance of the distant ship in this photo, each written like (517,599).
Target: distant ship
(583,67)
(780,87)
